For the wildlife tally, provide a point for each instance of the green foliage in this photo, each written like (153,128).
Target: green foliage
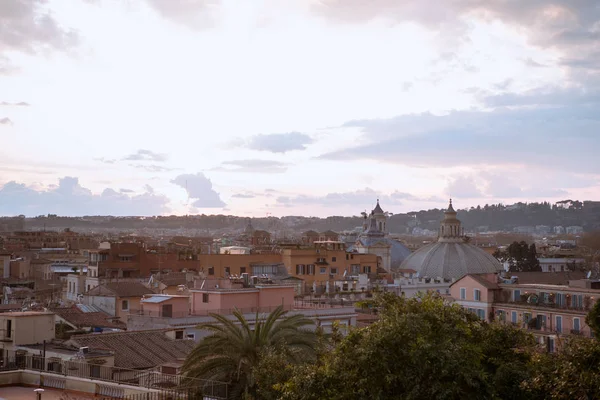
(234,351)
(593,319)
(520,256)
(420,349)
(571,374)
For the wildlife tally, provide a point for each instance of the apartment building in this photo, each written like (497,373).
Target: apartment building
(550,311)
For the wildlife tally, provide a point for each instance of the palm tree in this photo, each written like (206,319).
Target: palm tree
(234,349)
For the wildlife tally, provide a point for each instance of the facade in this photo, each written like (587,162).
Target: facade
(117,298)
(551,312)
(25,327)
(451,256)
(325,262)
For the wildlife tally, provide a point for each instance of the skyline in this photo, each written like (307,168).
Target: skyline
(303,108)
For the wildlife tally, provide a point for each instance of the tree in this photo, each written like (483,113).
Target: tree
(420,348)
(520,256)
(593,319)
(234,349)
(571,374)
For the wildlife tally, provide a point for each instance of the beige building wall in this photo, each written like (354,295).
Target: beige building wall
(28,327)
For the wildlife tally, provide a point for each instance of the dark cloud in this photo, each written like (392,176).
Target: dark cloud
(254,166)
(195,14)
(557,138)
(26,27)
(366,197)
(279,142)
(69,198)
(146,155)
(200,189)
(5,121)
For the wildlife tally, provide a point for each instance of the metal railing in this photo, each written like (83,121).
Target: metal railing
(176,386)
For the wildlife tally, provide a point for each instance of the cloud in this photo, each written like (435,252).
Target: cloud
(195,14)
(279,142)
(524,136)
(105,160)
(5,121)
(463,187)
(243,196)
(126,190)
(253,166)
(69,198)
(146,155)
(199,188)
(367,197)
(19,104)
(152,168)
(25,26)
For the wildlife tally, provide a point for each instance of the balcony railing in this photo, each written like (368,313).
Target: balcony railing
(175,385)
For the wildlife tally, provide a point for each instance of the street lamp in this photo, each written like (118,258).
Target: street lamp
(38,393)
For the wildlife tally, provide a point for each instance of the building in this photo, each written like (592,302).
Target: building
(375,239)
(84,317)
(25,327)
(551,307)
(117,298)
(325,262)
(561,264)
(451,257)
(224,296)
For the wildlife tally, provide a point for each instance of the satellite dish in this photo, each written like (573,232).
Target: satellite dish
(588,274)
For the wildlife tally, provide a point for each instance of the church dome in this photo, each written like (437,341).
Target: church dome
(451,257)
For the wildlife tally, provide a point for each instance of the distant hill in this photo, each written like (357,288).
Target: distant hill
(494,217)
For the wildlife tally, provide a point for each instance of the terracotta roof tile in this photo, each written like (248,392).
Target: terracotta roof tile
(138,349)
(76,316)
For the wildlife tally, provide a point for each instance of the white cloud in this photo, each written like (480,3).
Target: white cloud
(200,189)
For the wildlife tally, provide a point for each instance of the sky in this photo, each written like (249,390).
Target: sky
(296,107)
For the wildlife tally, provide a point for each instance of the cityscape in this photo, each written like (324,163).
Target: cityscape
(299,200)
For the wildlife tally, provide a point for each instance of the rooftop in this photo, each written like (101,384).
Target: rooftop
(121,289)
(80,316)
(25,313)
(138,349)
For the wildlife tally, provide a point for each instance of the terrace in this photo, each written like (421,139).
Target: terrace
(89,380)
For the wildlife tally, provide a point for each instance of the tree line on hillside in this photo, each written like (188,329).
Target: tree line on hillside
(494,217)
(419,348)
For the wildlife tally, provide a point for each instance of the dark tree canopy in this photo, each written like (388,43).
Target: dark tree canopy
(520,256)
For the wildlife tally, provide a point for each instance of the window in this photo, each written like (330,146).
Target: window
(463,293)
(576,324)
(211,270)
(477,294)
(125,259)
(125,305)
(333,259)
(355,269)
(178,334)
(558,324)
(310,269)
(300,269)
(205,297)
(481,313)
(323,270)
(513,317)
(227,271)
(191,336)
(347,256)
(333,271)
(367,269)
(516,295)
(550,345)
(242,270)
(526,317)
(577,301)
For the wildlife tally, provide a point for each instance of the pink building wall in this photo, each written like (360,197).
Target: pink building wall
(180,304)
(260,298)
(470,284)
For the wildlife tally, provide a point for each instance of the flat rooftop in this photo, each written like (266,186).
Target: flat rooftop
(26,313)
(27,393)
